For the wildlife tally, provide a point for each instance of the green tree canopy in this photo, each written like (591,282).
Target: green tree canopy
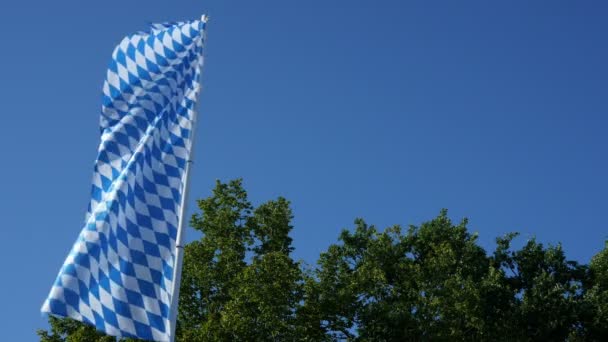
(432,282)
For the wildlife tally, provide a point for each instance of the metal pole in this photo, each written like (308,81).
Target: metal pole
(179,246)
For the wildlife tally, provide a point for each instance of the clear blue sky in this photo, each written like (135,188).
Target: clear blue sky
(386,110)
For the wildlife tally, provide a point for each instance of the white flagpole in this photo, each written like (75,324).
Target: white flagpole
(179,247)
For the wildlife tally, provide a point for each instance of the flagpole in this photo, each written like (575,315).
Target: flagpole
(179,246)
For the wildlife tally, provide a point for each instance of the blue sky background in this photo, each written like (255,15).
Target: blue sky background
(386,110)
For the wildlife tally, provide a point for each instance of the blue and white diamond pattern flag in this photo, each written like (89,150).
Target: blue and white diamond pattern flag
(119,274)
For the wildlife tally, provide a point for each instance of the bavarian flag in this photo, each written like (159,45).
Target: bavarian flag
(119,274)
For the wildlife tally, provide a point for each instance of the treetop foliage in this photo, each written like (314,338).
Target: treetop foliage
(432,282)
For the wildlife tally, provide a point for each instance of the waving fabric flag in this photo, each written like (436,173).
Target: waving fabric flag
(119,275)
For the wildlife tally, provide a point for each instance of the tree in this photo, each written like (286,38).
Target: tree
(434,282)
(229,295)
(426,284)
(213,264)
(595,316)
(547,292)
(431,282)
(69,330)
